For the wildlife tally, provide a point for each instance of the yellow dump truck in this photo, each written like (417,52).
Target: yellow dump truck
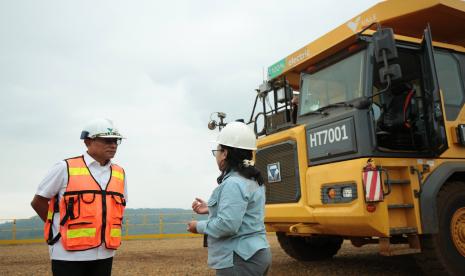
(363,137)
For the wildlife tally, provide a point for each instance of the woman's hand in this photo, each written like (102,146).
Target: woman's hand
(200,206)
(192,226)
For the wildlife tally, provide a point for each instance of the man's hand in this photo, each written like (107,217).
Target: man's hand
(40,205)
(199,206)
(192,226)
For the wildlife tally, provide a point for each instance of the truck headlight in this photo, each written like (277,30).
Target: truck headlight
(338,193)
(347,192)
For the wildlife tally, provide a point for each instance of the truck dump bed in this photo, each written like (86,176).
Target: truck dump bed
(407,18)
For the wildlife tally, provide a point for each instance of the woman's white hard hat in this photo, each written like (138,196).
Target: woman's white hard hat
(102,128)
(237,135)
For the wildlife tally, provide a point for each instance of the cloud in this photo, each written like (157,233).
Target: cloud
(157,68)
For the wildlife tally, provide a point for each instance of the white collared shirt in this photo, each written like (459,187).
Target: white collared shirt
(55,183)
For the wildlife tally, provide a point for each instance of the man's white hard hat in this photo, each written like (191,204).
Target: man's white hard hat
(237,135)
(102,128)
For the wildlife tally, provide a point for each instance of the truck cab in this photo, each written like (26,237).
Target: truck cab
(374,150)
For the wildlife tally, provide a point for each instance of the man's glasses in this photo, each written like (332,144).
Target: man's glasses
(215,151)
(109,141)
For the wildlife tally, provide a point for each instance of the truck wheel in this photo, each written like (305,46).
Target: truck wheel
(309,248)
(444,253)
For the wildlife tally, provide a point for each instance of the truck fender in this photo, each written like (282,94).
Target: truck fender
(429,191)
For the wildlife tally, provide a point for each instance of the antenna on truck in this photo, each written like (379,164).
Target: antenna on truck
(213,124)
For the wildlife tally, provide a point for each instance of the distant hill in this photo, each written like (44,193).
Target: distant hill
(139,221)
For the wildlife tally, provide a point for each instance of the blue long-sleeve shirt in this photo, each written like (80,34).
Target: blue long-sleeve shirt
(235,221)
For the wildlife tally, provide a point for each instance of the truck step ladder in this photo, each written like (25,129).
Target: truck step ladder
(400,204)
(388,249)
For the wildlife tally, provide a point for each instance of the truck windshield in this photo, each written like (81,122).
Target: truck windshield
(339,82)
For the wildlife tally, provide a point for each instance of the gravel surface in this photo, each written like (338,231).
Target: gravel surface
(186,256)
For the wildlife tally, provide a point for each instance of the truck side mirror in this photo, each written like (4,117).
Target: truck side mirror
(385,49)
(384,44)
(393,71)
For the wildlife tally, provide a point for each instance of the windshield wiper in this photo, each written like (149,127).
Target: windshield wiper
(318,112)
(343,104)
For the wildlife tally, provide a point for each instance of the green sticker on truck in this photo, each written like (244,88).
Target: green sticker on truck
(276,69)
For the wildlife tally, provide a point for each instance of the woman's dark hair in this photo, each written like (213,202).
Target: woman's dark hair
(235,160)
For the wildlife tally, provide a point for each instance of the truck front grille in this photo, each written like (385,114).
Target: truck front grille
(284,157)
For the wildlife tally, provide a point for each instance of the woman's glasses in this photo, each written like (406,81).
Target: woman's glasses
(215,151)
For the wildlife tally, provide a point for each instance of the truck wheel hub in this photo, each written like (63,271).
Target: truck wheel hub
(458,230)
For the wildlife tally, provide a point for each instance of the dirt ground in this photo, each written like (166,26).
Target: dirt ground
(186,256)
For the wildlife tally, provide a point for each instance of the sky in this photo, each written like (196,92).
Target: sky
(158,69)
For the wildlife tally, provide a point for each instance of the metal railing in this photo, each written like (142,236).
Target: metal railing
(135,226)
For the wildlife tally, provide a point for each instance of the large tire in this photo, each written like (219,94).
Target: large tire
(444,253)
(309,248)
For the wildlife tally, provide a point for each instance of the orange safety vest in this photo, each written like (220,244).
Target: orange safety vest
(88,214)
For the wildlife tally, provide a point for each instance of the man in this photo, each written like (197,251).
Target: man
(82,201)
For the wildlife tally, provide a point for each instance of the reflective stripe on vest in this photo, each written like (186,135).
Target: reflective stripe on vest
(88,215)
(115,233)
(48,233)
(78,171)
(117,175)
(81,233)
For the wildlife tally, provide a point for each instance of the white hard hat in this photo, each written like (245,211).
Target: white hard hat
(237,135)
(102,128)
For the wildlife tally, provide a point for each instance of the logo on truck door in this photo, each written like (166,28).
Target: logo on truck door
(274,172)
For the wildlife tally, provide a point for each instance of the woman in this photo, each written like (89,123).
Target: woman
(237,243)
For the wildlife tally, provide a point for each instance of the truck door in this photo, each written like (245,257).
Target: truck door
(433,115)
